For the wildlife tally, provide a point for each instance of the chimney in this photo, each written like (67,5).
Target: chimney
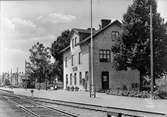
(93,29)
(105,22)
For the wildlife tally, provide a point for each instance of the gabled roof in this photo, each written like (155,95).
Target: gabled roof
(95,33)
(81,30)
(83,33)
(100,31)
(66,48)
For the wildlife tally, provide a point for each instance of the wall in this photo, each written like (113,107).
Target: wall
(116,79)
(103,41)
(120,78)
(82,67)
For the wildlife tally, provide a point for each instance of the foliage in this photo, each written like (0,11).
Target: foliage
(132,93)
(7,82)
(162,90)
(76,88)
(134,49)
(39,62)
(62,41)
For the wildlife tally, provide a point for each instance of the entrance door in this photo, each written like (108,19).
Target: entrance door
(105,80)
(86,80)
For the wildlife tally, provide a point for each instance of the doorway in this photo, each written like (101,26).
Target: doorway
(105,79)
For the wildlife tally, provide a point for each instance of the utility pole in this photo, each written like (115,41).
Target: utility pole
(17,76)
(25,74)
(92,87)
(151,57)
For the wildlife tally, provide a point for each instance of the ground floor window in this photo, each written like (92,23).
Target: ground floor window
(86,80)
(66,79)
(70,79)
(86,75)
(75,78)
(80,78)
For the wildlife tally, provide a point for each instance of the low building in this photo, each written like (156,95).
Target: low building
(77,64)
(0,80)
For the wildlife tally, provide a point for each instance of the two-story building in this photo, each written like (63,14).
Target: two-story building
(76,59)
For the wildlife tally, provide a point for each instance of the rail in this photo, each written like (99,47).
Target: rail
(35,109)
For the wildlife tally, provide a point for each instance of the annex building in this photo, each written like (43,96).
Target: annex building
(76,59)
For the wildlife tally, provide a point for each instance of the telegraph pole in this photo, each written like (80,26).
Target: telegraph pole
(92,87)
(25,74)
(151,57)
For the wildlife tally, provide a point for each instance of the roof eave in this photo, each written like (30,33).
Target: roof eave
(63,50)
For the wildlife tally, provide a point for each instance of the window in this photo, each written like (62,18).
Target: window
(72,61)
(65,61)
(115,35)
(70,79)
(105,55)
(75,78)
(79,57)
(75,41)
(86,75)
(66,79)
(80,78)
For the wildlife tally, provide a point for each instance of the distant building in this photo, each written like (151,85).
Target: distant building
(76,59)
(0,80)
(5,79)
(15,79)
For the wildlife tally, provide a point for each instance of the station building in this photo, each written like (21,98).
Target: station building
(76,59)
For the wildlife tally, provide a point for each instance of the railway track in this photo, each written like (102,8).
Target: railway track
(35,109)
(111,111)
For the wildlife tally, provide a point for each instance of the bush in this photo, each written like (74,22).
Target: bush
(125,87)
(68,88)
(101,91)
(76,88)
(162,92)
(131,93)
(72,88)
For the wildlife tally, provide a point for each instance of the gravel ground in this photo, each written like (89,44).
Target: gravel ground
(79,112)
(8,109)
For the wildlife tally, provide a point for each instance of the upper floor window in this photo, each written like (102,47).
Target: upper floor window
(65,61)
(75,40)
(79,57)
(115,35)
(72,60)
(104,55)
(73,43)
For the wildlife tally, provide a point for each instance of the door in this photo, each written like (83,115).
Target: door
(105,80)
(86,80)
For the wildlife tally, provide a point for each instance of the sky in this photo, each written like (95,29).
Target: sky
(24,23)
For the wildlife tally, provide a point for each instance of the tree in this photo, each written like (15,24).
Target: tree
(39,60)
(62,41)
(134,49)
(7,82)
